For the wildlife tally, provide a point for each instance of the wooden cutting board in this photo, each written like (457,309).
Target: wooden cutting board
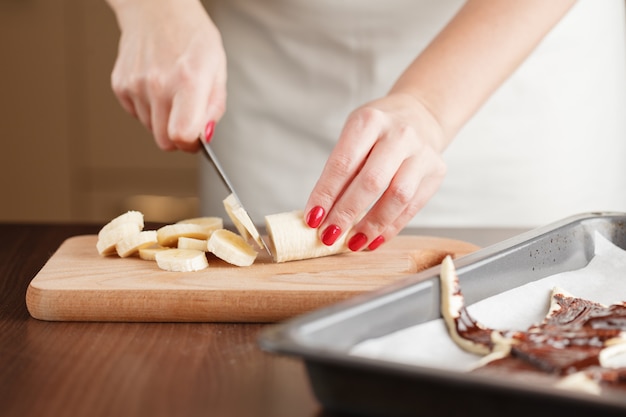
(76,284)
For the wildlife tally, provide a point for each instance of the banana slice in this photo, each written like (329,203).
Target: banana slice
(476,338)
(291,239)
(149,254)
(191,243)
(134,217)
(580,381)
(210,222)
(181,260)
(231,248)
(131,244)
(168,235)
(107,240)
(242,220)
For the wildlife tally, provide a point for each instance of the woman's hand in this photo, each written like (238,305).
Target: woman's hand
(387,163)
(385,167)
(170,71)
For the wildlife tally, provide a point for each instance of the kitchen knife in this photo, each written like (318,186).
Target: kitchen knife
(218,167)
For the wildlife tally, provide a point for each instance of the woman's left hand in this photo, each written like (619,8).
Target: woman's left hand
(386,165)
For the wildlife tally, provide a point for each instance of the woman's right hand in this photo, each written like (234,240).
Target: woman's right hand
(170,71)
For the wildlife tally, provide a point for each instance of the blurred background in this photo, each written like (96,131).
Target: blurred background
(70,153)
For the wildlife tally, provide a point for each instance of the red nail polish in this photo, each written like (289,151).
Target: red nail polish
(357,242)
(376,243)
(330,235)
(315,216)
(208,131)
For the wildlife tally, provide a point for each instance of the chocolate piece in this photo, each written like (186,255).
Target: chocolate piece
(567,342)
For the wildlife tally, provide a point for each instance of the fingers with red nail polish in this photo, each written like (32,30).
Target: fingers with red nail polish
(314,217)
(357,241)
(376,243)
(208,131)
(331,234)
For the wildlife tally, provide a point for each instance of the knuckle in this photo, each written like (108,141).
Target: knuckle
(405,131)
(408,137)
(130,86)
(179,133)
(155,83)
(373,181)
(117,85)
(185,73)
(324,194)
(374,224)
(401,193)
(340,164)
(121,85)
(367,115)
(413,207)
(371,114)
(345,216)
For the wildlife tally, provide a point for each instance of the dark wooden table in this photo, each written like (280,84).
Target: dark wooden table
(141,369)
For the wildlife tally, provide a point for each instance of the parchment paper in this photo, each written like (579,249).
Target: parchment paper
(602,280)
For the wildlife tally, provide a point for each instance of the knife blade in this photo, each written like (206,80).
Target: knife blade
(206,147)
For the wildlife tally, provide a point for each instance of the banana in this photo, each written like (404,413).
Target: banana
(291,239)
(242,220)
(130,244)
(149,254)
(168,235)
(211,223)
(109,238)
(479,340)
(191,243)
(181,260)
(134,217)
(231,247)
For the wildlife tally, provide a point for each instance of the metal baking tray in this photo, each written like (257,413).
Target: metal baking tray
(364,386)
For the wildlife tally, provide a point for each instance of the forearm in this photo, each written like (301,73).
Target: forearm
(121,4)
(126,10)
(482,45)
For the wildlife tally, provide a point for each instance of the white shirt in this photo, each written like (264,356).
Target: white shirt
(548,144)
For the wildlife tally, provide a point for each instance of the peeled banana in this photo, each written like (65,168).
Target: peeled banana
(168,235)
(132,217)
(181,260)
(149,254)
(242,220)
(109,238)
(231,248)
(191,243)
(452,307)
(130,244)
(210,223)
(292,239)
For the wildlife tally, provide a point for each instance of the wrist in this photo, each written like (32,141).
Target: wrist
(129,12)
(426,121)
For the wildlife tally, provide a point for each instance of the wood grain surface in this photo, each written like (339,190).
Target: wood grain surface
(76,284)
(101,369)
